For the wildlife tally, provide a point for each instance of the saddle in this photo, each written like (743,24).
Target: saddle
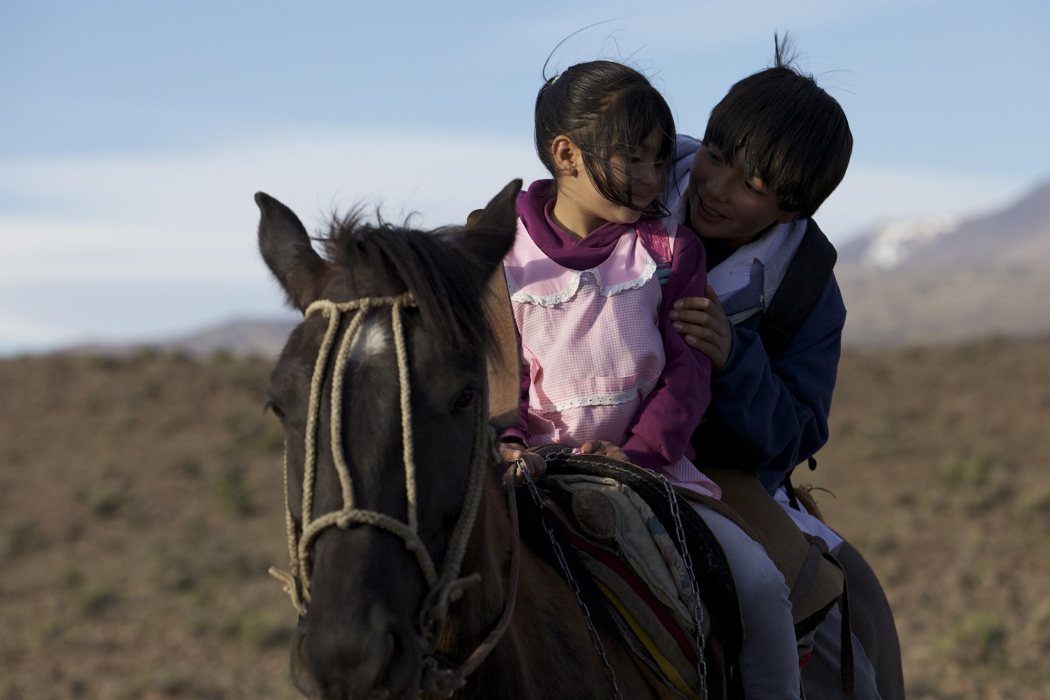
(625,551)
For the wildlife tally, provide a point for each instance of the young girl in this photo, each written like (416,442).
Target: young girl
(603,369)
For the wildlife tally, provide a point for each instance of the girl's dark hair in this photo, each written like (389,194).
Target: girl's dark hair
(782,126)
(606,108)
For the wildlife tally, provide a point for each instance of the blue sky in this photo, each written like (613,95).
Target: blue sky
(133,134)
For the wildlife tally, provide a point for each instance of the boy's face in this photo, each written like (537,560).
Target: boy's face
(727,205)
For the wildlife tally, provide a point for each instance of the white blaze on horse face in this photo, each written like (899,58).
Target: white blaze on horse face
(372,341)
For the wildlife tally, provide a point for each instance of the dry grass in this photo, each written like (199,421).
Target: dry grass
(140,506)
(938,463)
(139,509)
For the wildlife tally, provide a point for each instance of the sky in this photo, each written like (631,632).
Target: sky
(134,134)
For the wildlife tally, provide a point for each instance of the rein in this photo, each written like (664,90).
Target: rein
(446,586)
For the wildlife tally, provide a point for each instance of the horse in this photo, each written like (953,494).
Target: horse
(407,569)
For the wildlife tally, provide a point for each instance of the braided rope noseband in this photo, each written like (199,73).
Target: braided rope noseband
(445,587)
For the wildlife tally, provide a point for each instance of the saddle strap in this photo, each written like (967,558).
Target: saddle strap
(846,660)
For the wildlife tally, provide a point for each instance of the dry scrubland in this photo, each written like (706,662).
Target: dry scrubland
(140,506)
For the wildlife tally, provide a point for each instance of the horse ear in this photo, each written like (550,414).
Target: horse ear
(489,235)
(490,231)
(285,246)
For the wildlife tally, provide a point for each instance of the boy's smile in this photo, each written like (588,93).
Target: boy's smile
(728,205)
(704,210)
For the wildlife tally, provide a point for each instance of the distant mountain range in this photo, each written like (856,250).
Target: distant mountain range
(904,282)
(259,337)
(936,280)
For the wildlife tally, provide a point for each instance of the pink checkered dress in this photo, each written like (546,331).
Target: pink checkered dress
(591,345)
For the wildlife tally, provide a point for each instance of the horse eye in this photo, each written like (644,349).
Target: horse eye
(466,399)
(273,408)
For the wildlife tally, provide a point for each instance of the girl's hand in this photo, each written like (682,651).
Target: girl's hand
(603,448)
(703,323)
(510,453)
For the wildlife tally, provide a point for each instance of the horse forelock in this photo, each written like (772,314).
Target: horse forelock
(447,287)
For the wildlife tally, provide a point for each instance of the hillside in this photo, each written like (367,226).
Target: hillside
(140,505)
(918,282)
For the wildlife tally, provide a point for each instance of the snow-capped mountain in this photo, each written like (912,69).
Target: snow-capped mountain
(941,241)
(892,243)
(935,280)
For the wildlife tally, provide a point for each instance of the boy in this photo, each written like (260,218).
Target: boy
(775,148)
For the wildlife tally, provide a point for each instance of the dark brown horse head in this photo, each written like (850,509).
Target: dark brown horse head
(380,390)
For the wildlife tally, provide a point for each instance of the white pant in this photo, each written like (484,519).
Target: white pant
(769,656)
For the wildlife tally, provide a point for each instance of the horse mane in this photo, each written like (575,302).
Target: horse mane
(445,281)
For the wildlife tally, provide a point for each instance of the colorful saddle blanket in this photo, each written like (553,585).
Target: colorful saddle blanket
(618,519)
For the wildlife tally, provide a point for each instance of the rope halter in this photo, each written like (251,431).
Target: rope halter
(443,586)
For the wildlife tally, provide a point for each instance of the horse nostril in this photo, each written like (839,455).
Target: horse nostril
(385,652)
(302,678)
(327,663)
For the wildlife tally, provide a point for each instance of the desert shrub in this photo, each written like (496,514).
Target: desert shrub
(245,428)
(221,358)
(107,363)
(167,681)
(979,639)
(50,629)
(74,531)
(108,496)
(883,437)
(93,599)
(174,575)
(233,491)
(180,358)
(144,355)
(189,466)
(1036,502)
(13,457)
(966,471)
(174,682)
(264,629)
(24,537)
(980,482)
(150,389)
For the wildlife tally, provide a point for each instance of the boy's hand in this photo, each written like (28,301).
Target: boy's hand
(703,323)
(603,448)
(510,453)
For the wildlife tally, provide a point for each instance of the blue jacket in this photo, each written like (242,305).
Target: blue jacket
(767,414)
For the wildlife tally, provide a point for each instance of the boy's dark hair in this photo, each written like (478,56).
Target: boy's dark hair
(606,108)
(780,125)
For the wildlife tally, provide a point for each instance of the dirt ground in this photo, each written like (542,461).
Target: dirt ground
(141,504)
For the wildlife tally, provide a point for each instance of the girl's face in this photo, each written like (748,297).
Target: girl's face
(727,205)
(581,208)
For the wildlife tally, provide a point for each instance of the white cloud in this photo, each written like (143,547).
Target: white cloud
(140,247)
(129,246)
(193,216)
